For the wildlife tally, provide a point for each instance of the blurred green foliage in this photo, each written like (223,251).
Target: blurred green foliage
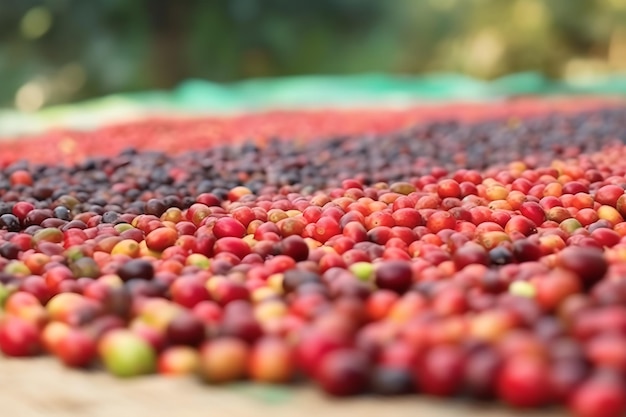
(62,50)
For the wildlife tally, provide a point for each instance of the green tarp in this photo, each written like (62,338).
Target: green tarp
(301,92)
(364,89)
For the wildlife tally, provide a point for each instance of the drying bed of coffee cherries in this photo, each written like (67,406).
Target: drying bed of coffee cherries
(169,133)
(484,260)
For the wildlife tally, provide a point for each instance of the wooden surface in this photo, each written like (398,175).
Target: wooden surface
(43,387)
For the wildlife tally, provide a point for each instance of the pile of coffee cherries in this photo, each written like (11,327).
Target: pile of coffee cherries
(483,260)
(174,135)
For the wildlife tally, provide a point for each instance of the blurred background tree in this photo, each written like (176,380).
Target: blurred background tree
(56,51)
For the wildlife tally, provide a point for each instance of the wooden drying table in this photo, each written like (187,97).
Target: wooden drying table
(43,387)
